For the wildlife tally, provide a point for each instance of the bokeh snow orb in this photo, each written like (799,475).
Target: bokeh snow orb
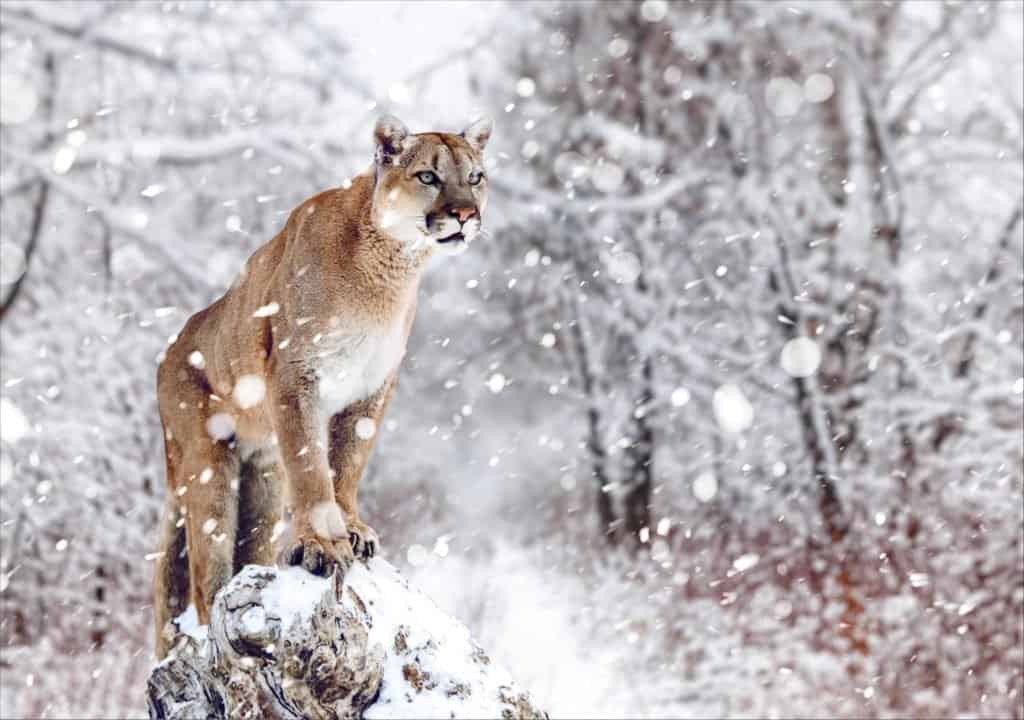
(220,426)
(733,411)
(705,486)
(783,96)
(800,357)
(18,100)
(607,177)
(196,360)
(680,396)
(530,149)
(818,88)
(366,428)
(547,340)
(618,47)
(525,87)
(654,10)
(249,391)
(496,382)
(623,266)
(13,423)
(12,263)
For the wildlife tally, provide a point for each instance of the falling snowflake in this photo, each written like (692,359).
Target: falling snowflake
(366,428)
(249,391)
(679,397)
(800,357)
(267,310)
(705,487)
(733,411)
(745,562)
(818,88)
(525,87)
(496,383)
(220,426)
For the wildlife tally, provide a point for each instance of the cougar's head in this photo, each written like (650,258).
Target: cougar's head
(432,187)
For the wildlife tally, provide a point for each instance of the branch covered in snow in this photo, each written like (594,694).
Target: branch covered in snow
(286,644)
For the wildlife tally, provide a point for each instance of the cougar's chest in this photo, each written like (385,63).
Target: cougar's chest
(352,367)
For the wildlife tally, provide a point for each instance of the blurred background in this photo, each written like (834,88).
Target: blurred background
(724,418)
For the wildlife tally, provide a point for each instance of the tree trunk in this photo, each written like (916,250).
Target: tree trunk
(640,456)
(595,443)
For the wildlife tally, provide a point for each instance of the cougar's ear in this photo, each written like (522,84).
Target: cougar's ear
(479,132)
(389,134)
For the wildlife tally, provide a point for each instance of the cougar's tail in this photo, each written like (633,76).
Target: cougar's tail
(170,581)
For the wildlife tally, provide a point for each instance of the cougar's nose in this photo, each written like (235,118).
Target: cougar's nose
(462,213)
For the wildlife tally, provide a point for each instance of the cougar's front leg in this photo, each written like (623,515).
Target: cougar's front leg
(320,537)
(352,433)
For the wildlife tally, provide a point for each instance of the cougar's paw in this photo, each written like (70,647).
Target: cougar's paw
(319,556)
(362,538)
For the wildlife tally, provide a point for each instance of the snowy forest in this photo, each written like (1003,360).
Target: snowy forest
(721,417)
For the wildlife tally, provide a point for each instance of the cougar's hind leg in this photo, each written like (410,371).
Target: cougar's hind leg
(260,504)
(170,579)
(211,521)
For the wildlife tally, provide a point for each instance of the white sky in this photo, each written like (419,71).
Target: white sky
(391,40)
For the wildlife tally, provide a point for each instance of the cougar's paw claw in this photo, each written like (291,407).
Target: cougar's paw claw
(318,556)
(363,539)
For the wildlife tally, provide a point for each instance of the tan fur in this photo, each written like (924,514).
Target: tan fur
(319,315)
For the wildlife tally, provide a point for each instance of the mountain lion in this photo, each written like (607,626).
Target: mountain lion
(282,382)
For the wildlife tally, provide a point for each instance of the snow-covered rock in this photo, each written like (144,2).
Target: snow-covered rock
(285,644)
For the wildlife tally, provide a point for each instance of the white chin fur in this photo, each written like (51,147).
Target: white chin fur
(452,248)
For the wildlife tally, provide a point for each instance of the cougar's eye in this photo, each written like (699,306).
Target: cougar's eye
(426,177)
(475,177)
